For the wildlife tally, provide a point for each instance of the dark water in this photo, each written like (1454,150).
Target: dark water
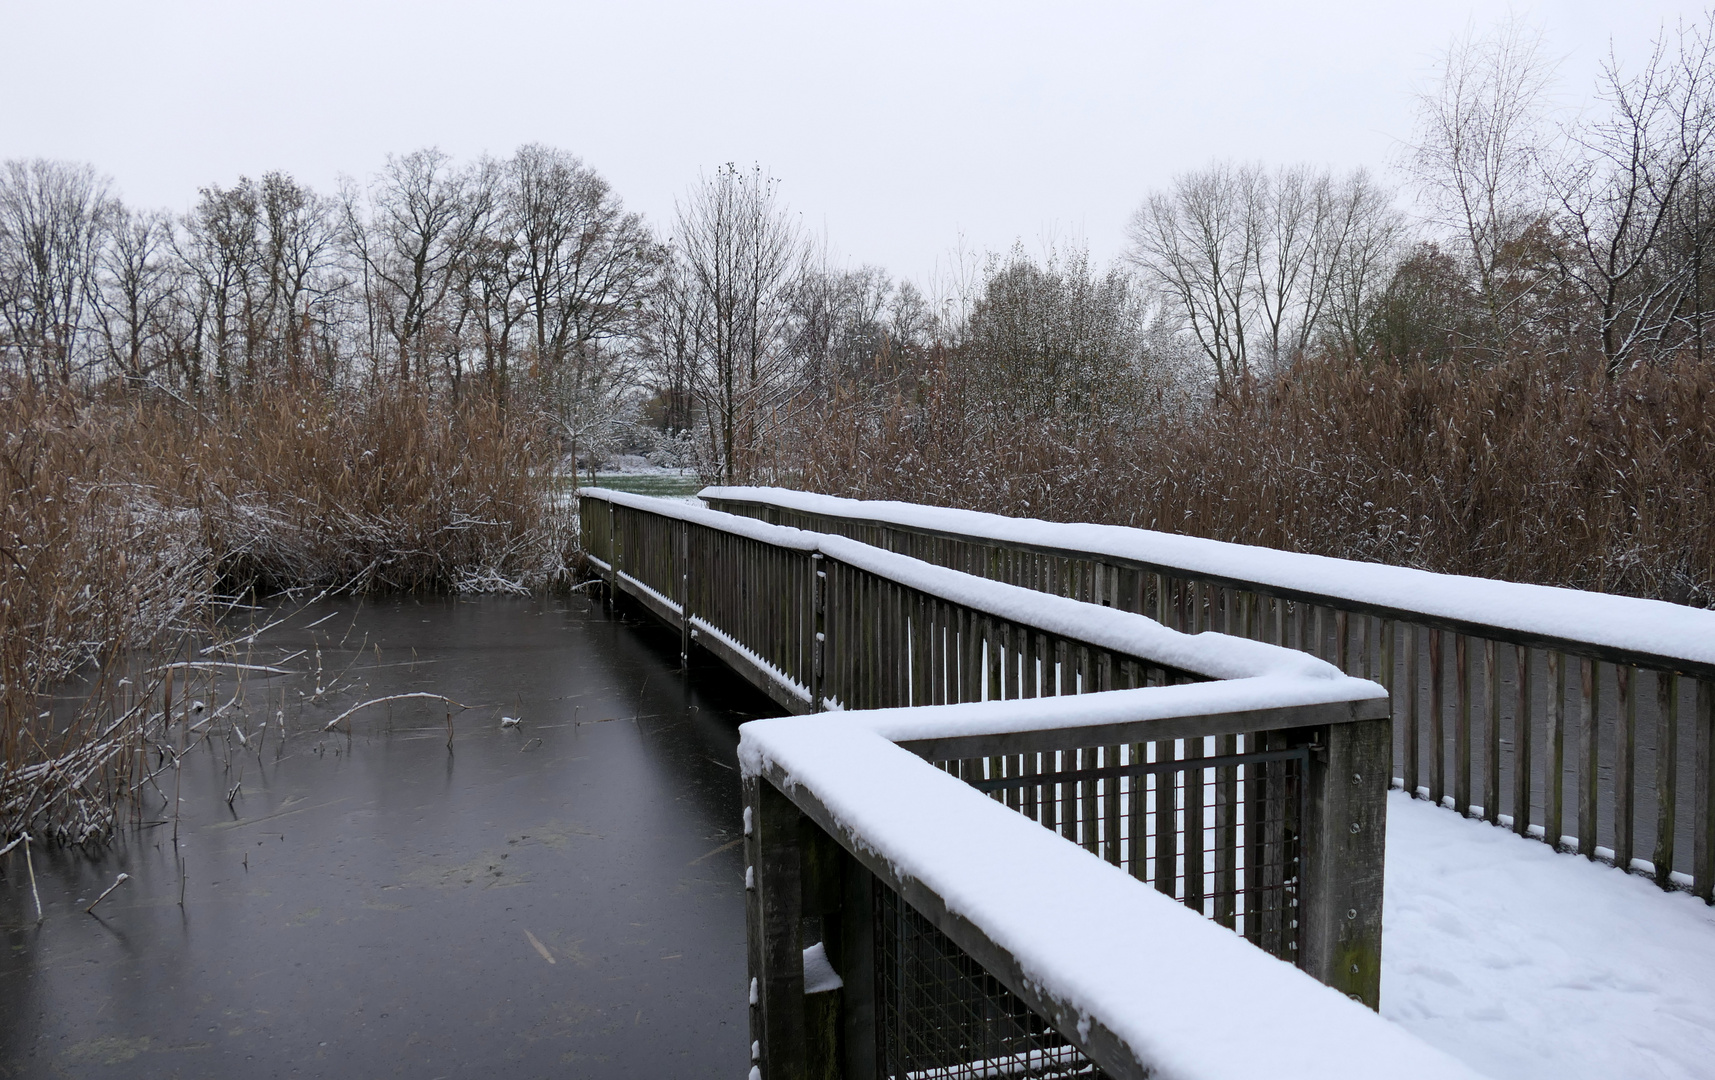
(375,905)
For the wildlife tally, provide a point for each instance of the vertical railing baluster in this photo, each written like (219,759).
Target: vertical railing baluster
(1666,774)
(1462,725)
(1703,794)
(1588,746)
(1625,764)
(1413,771)
(1554,764)
(1492,720)
(1522,761)
(1437,721)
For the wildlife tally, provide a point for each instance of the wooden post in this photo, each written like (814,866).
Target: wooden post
(773,905)
(1341,917)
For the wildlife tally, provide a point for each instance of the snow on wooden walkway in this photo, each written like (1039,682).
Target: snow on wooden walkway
(1529,964)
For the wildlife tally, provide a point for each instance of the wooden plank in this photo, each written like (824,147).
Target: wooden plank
(1437,721)
(1413,738)
(1588,746)
(1137,821)
(1462,725)
(1666,775)
(1194,726)
(1112,850)
(1085,758)
(1492,729)
(1226,835)
(1523,759)
(1192,846)
(1625,765)
(1554,749)
(1165,810)
(1703,796)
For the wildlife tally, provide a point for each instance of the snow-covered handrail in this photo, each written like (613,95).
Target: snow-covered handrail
(1623,628)
(1138,983)
(1239,779)
(1509,698)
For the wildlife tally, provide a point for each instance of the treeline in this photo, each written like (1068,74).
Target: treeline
(1563,256)
(1515,383)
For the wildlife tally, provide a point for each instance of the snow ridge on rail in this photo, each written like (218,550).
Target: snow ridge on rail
(1176,987)
(1218,656)
(1620,622)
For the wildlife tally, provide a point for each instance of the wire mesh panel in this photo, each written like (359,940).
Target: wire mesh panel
(941,1016)
(1220,832)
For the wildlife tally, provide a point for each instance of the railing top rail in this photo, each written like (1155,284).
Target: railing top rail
(1649,633)
(1217,656)
(1164,993)
(1228,706)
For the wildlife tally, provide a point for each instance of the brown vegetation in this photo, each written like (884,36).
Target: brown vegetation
(1526,470)
(125,518)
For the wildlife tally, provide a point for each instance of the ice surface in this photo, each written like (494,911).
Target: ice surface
(1531,965)
(1646,626)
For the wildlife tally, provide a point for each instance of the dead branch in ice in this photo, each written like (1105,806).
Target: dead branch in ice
(331,724)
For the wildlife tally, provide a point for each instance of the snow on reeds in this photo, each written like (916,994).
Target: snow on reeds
(127,522)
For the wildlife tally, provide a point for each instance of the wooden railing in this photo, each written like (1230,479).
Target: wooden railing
(1536,722)
(1236,779)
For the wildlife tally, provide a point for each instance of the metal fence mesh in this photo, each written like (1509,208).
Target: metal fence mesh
(941,1016)
(1215,824)
(1219,832)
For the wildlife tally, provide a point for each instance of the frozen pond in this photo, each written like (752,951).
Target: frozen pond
(560,897)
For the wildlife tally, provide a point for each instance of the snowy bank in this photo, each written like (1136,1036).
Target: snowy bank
(1530,965)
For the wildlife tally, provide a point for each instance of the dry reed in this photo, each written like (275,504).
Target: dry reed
(1518,471)
(127,522)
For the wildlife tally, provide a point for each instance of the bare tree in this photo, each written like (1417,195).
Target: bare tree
(138,289)
(1365,239)
(52,224)
(420,224)
(1195,245)
(739,250)
(297,249)
(1479,141)
(220,250)
(1624,180)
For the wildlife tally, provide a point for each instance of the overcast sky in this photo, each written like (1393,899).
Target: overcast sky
(894,128)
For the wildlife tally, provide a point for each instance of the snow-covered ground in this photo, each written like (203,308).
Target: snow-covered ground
(1529,964)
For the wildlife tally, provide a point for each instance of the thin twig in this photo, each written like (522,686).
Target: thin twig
(118,881)
(331,724)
